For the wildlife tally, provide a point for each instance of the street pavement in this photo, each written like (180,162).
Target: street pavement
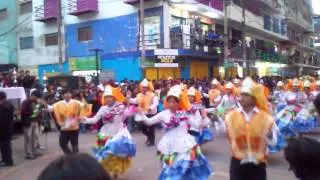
(145,165)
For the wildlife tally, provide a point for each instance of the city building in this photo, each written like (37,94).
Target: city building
(182,38)
(8,21)
(316,26)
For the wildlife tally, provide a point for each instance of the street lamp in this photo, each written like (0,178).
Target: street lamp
(96,51)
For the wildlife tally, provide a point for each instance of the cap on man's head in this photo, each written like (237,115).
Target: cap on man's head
(36,93)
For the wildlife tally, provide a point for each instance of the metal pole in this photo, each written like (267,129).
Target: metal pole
(59,32)
(226,28)
(97,66)
(244,45)
(143,48)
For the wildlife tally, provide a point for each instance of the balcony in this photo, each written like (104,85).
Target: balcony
(207,44)
(272,5)
(259,55)
(296,20)
(133,2)
(216,4)
(78,7)
(47,12)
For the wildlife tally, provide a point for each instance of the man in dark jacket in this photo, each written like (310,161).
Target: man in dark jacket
(30,113)
(6,129)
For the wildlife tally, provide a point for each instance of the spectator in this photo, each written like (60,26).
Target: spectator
(6,129)
(30,116)
(303,155)
(74,167)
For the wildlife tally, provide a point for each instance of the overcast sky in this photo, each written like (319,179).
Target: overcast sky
(316,6)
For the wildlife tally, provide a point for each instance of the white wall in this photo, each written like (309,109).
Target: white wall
(42,54)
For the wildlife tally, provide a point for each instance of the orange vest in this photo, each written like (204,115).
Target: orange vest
(63,111)
(145,101)
(266,91)
(236,91)
(213,94)
(248,137)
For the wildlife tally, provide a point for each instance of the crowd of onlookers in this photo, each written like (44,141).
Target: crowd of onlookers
(83,166)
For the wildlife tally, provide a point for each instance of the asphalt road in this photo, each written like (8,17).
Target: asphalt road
(145,166)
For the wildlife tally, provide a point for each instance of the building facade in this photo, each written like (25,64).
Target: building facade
(182,39)
(8,21)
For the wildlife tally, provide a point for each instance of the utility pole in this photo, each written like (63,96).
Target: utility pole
(226,34)
(143,47)
(246,65)
(96,52)
(59,32)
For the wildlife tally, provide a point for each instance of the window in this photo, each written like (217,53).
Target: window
(26,42)
(26,7)
(51,39)
(85,34)
(3,13)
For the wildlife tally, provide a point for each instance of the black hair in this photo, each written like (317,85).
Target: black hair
(316,103)
(37,94)
(65,91)
(173,97)
(3,95)
(303,155)
(74,166)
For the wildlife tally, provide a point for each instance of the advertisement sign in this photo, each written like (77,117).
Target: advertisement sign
(82,63)
(166,61)
(166,52)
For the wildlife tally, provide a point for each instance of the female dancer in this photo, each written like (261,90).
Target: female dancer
(114,146)
(200,130)
(178,151)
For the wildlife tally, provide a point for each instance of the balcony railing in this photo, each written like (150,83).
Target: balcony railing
(183,41)
(47,12)
(132,2)
(78,7)
(261,55)
(194,42)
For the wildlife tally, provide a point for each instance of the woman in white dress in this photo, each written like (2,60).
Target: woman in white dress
(199,127)
(114,147)
(179,153)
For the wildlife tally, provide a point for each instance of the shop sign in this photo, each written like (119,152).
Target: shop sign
(166,52)
(166,61)
(82,63)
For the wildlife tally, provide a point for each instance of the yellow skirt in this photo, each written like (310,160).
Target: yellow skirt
(116,165)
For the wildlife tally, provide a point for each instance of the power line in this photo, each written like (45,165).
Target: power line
(16,26)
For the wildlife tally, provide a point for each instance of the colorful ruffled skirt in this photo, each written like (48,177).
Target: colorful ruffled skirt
(304,123)
(281,144)
(115,153)
(204,136)
(191,165)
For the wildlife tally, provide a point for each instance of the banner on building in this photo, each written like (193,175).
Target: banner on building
(82,63)
(166,61)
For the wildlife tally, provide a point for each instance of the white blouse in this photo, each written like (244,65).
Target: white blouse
(175,140)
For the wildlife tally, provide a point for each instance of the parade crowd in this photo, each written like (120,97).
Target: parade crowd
(260,116)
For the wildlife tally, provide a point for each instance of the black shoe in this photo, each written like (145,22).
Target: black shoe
(6,165)
(31,157)
(149,144)
(38,154)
